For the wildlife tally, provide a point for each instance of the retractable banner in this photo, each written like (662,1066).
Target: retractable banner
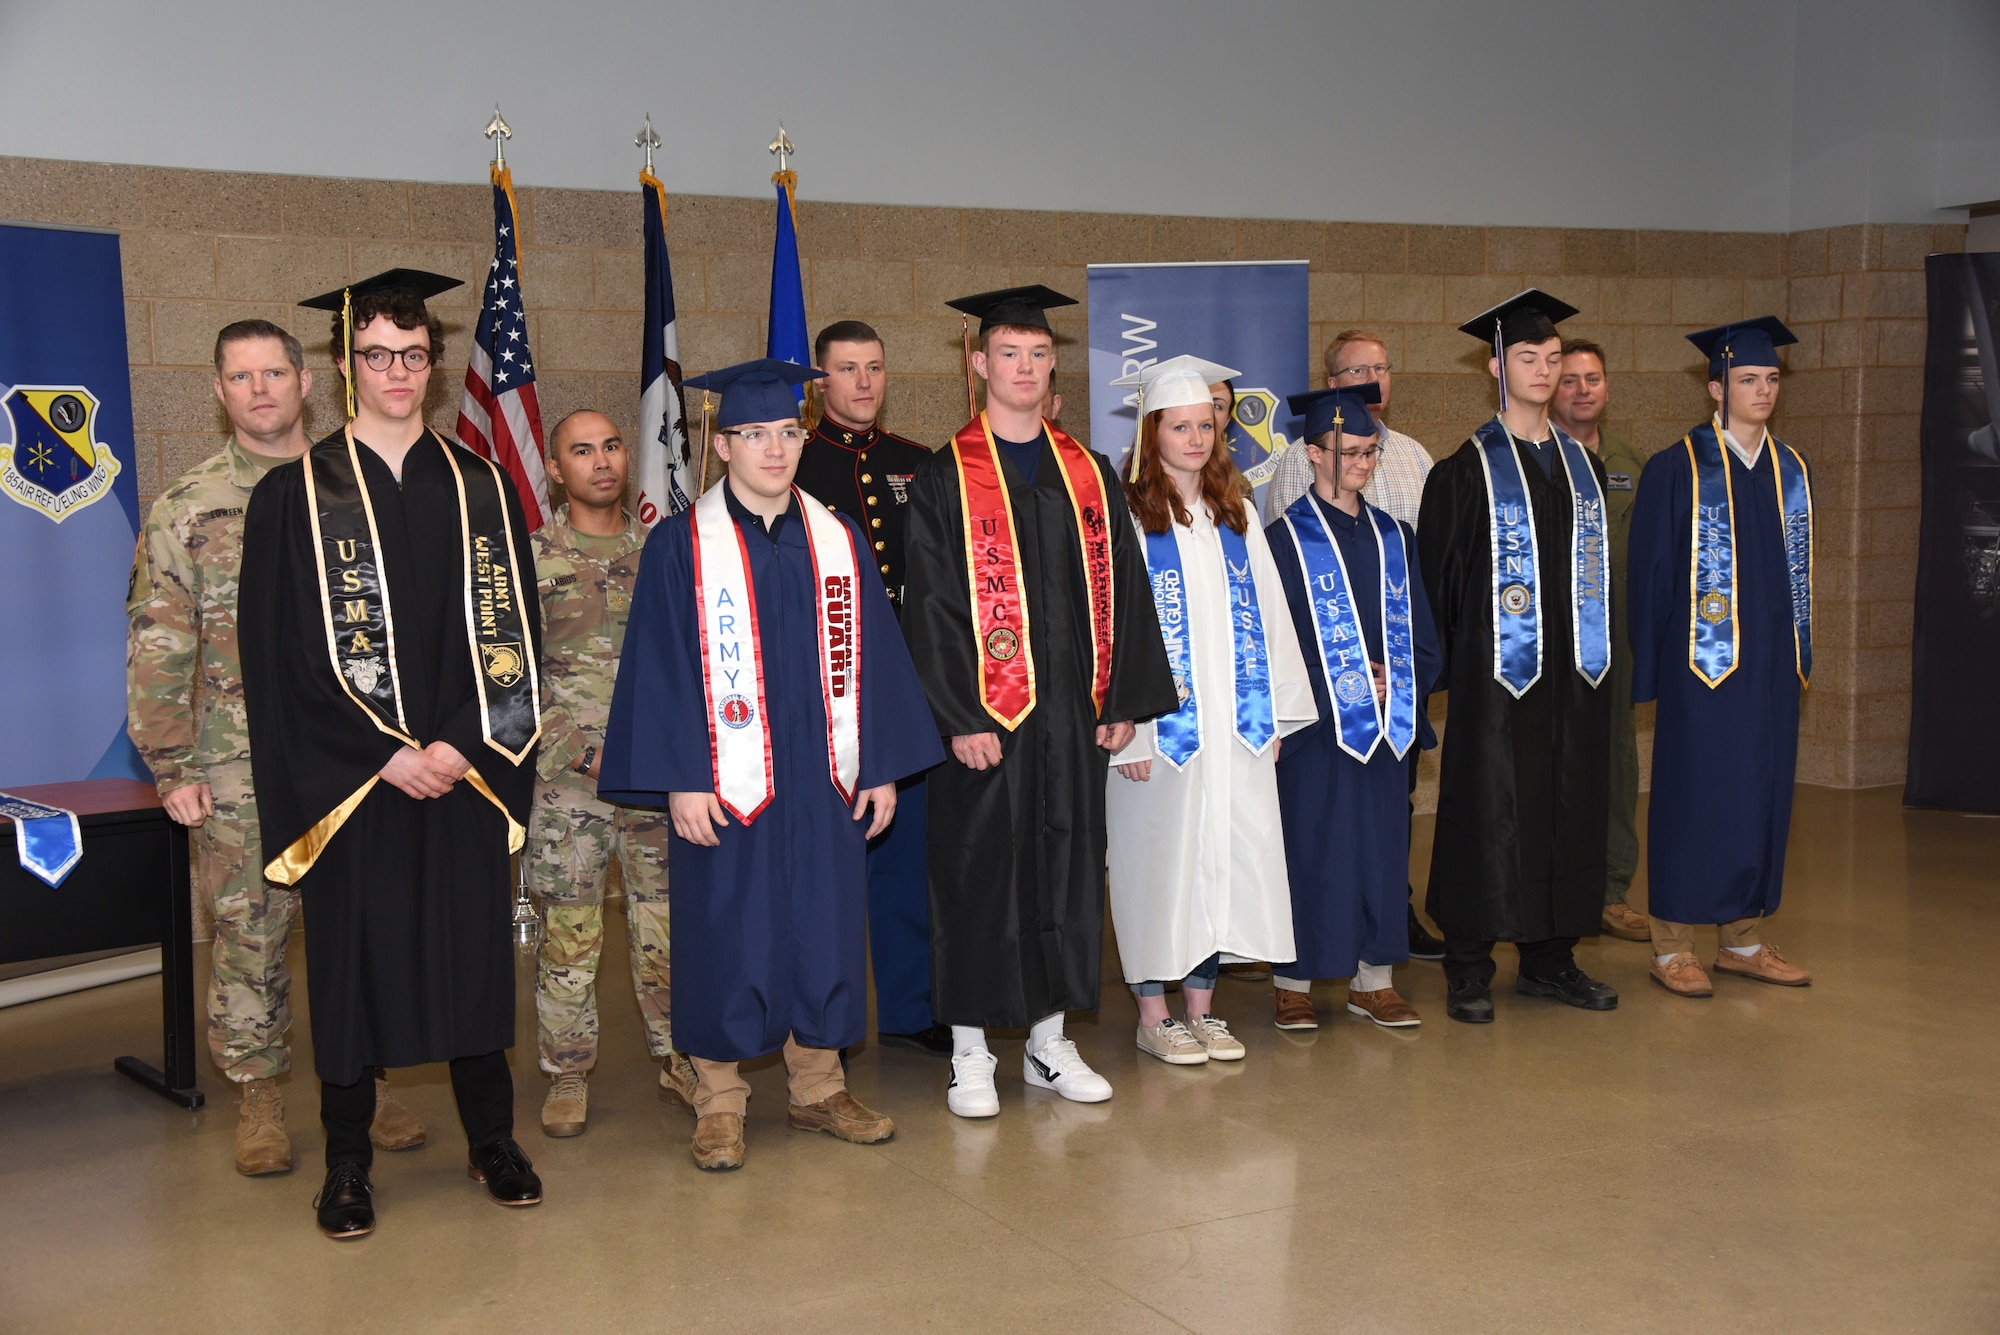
(1251,316)
(69,507)
(1955,692)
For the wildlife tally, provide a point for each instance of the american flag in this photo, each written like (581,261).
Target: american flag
(499,415)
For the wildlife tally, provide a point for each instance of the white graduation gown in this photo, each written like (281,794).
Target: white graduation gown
(1197,856)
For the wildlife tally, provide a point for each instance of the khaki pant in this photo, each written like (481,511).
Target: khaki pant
(1677,938)
(813,1074)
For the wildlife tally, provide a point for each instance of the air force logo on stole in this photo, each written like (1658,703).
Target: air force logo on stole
(55,464)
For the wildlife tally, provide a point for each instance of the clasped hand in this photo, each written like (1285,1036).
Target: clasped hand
(431,772)
(697,816)
(981,750)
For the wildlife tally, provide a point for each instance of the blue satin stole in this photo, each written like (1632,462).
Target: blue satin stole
(1359,723)
(1178,735)
(1714,633)
(47,840)
(1516,568)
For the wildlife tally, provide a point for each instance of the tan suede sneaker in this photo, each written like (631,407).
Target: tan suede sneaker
(1385,1007)
(1766,966)
(395,1127)
(567,1107)
(677,1081)
(842,1115)
(718,1141)
(1626,923)
(261,1143)
(1682,976)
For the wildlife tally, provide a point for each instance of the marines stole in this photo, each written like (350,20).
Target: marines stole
(1714,634)
(1178,735)
(1516,564)
(732,652)
(993,568)
(1359,721)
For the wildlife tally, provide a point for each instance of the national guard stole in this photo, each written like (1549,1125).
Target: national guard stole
(1360,723)
(1178,735)
(1516,564)
(993,568)
(732,652)
(1714,633)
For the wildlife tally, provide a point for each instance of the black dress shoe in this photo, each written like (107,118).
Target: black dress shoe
(1423,946)
(936,1040)
(345,1205)
(509,1177)
(1470,1002)
(1572,987)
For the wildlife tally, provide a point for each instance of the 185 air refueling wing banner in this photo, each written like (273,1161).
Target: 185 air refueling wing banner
(69,507)
(1251,316)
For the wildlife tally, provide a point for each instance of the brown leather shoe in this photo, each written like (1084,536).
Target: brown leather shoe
(718,1141)
(1627,923)
(1294,1010)
(677,1081)
(395,1127)
(1682,976)
(262,1146)
(1766,966)
(566,1110)
(841,1114)
(1384,1007)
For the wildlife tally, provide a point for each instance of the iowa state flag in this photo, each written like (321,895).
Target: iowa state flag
(663,467)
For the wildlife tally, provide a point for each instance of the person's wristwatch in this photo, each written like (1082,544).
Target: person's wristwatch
(588,759)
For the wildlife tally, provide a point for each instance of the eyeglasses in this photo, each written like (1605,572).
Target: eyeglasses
(757,438)
(378,359)
(1364,373)
(1359,456)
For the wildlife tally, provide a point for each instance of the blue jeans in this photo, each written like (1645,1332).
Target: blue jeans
(1202,976)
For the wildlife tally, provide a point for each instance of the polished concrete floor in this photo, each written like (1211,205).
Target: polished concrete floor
(1770,1160)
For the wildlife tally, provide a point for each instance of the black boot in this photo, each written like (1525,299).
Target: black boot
(1423,946)
(1470,1001)
(934,1041)
(1572,987)
(509,1177)
(345,1205)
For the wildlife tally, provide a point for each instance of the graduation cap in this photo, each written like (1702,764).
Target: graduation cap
(1173,383)
(1744,343)
(1345,407)
(418,283)
(1525,317)
(763,390)
(1024,306)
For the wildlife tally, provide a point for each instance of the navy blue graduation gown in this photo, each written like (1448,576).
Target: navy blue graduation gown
(769,928)
(1723,759)
(1347,824)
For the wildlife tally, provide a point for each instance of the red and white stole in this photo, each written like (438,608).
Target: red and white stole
(732,662)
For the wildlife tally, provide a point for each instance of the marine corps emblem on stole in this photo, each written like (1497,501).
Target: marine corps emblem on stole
(1002,644)
(504,664)
(55,465)
(1714,607)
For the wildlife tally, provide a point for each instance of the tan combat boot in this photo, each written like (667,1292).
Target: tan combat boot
(677,1082)
(395,1127)
(261,1143)
(567,1106)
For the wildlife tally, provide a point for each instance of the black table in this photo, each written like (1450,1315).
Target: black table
(129,890)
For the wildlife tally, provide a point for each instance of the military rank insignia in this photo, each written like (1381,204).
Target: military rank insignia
(55,465)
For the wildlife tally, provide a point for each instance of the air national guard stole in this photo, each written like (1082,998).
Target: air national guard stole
(1714,637)
(1516,590)
(732,652)
(993,568)
(358,613)
(1178,735)
(1359,721)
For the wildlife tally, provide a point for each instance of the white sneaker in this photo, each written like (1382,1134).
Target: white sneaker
(1215,1039)
(1170,1041)
(971,1092)
(1060,1067)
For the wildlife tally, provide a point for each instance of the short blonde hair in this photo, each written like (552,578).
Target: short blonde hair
(1347,336)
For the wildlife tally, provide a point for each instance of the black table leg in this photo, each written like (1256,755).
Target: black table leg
(176,987)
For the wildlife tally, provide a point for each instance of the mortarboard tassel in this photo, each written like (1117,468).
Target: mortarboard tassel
(347,342)
(965,341)
(1500,357)
(1728,365)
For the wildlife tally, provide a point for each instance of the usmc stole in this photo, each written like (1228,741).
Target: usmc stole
(732,661)
(1178,735)
(993,569)
(1516,564)
(1714,634)
(1359,722)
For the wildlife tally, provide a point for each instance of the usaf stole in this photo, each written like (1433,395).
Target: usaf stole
(993,568)
(1178,735)
(1714,634)
(1516,568)
(1358,722)
(47,840)
(732,663)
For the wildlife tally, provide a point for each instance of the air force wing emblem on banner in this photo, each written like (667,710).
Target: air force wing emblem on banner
(56,464)
(1254,438)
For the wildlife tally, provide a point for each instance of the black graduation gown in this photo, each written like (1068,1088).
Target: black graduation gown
(1519,852)
(408,908)
(1724,759)
(1017,852)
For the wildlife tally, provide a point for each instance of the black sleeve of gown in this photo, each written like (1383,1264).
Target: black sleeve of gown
(513,784)
(311,745)
(937,609)
(1142,682)
(1451,518)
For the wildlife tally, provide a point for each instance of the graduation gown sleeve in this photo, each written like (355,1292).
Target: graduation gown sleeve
(656,741)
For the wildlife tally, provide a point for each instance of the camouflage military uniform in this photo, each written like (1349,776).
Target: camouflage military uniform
(575,838)
(184,689)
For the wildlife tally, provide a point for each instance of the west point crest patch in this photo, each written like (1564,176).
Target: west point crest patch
(55,464)
(503,661)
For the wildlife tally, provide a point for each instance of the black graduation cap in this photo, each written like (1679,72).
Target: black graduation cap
(1744,343)
(418,283)
(1024,306)
(1344,405)
(756,391)
(1525,317)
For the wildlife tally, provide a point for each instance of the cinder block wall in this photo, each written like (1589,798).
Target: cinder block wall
(204,248)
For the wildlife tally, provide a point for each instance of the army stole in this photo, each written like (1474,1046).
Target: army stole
(1714,632)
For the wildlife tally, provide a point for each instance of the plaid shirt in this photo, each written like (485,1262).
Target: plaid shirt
(1397,487)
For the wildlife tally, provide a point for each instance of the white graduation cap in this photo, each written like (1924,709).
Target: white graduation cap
(1173,383)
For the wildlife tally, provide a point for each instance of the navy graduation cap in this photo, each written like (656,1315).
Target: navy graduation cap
(1346,406)
(1744,343)
(756,391)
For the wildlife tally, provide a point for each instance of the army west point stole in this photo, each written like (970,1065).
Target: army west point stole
(993,569)
(360,624)
(1714,634)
